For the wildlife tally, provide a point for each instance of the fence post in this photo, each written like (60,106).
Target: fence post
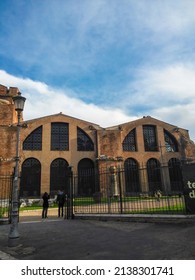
(70,214)
(6,183)
(120,190)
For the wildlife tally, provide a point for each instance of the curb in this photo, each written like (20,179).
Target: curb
(147,218)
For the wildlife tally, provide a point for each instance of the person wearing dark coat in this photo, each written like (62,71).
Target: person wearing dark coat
(45,198)
(60,200)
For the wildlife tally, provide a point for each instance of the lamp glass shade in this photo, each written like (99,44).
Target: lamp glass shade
(19,102)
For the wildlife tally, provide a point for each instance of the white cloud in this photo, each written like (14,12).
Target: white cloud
(165,86)
(170,16)
(177,80)
(159,88)
(43,100)
(167,93)
(180,115)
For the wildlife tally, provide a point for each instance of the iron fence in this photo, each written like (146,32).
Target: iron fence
(134,204)
(5,196)
(112,193)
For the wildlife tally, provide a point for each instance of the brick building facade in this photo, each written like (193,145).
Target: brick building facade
(150,151)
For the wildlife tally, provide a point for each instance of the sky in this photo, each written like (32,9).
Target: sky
(104,61)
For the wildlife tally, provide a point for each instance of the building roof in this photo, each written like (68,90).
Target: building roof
(93,125)
(144,120)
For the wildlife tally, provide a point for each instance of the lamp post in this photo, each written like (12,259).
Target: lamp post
(14,234)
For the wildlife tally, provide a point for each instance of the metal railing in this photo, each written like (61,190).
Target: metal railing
(111,195)
(137,203)
(6,182)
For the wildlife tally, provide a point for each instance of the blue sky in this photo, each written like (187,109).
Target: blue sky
(104,61)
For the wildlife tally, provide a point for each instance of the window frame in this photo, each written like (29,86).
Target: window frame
(34,140)
(129,141)
(151,146)
(89,147)
(58,142)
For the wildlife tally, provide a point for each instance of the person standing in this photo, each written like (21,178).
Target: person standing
(60,201)
(45,198)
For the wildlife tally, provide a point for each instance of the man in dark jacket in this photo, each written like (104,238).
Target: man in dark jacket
(45,198)
(60,200)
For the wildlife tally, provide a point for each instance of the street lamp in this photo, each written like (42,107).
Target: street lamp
(14,234)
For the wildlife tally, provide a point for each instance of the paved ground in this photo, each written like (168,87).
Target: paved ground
(56,238)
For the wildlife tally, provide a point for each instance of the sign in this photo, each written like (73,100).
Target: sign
(188,171)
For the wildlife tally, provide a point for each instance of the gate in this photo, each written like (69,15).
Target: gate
(6,183)
(113,195)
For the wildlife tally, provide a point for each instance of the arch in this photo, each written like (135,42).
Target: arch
(132,181)
(34,140)
(129,143)
(84,142)
(58,175)
(30,178)
(154,175)
(86,177)
(170,142)
(175,174)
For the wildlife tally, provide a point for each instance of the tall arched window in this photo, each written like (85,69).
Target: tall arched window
(59,176)
(170,142)
(86,177)
(154,175)
(150,140)
(84,142)
(30,178)
(34,140)
(132,182)
(129,143)
(59,136)
(175,174)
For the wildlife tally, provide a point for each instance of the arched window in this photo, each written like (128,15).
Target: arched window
(59,176)
(31,178)
(132,182)
(129,143)
(34,140)
(170,142)
(59,136)
(154,175)
(84,142)
(150,141)
(175,174)
(86,177)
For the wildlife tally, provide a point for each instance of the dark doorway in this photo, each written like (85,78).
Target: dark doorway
(86,177)
(58,176)
(131,175)
(154,175)
(175,174)
(31,178)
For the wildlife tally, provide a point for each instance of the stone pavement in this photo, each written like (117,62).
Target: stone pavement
(58,239)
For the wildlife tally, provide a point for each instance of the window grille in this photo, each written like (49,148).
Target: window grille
(84,142)
(129,143)
(58,175)
(31,178)
(150,141)
(175,174)
(86,177)
(59,136)
(170,142)
(132,181)
(154,175)
(34,140)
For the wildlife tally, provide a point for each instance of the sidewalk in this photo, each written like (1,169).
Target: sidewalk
(58,239)
(36,214)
